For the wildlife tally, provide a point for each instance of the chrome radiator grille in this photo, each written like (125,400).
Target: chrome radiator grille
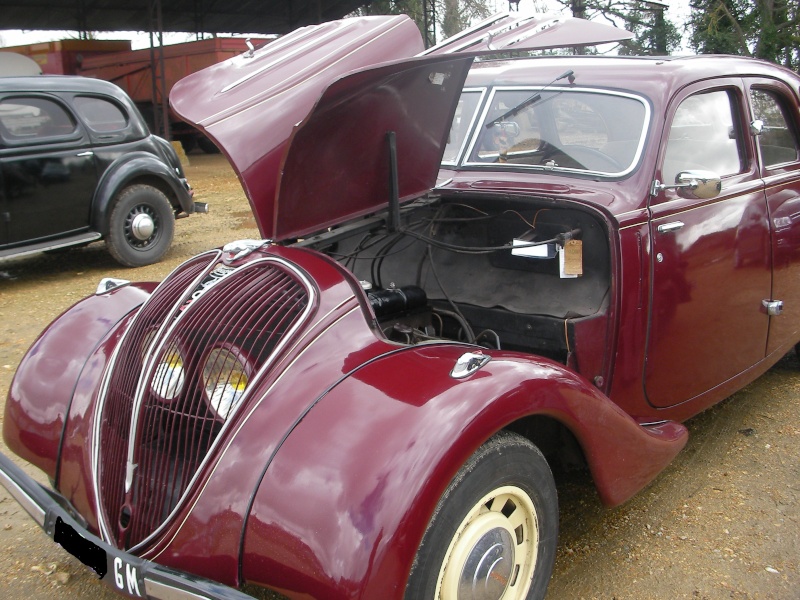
(185,366)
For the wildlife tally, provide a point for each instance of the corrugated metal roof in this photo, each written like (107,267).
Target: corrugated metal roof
(212,16)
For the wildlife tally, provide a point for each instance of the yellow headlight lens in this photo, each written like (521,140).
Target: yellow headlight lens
(169,374)
(225,380)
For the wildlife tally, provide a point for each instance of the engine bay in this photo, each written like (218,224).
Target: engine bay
(514,275)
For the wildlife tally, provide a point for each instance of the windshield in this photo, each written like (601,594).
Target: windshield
(567,130)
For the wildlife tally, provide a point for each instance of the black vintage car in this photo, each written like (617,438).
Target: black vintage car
(77,164)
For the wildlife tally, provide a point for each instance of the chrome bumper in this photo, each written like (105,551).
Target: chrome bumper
(125,573)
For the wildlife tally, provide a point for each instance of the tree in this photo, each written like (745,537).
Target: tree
(451,16)
(457,15)
(767,29)
(653,33)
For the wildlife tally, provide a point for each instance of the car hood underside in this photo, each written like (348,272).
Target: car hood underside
(305,120)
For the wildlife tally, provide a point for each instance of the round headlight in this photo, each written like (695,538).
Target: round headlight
(225,380)
(169,374)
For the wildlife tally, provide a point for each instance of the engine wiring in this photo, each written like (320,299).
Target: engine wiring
(379,244)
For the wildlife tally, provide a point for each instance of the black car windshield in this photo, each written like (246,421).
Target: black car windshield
(567,130)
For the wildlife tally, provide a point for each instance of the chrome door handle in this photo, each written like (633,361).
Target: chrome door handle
(87,153)
(667,227)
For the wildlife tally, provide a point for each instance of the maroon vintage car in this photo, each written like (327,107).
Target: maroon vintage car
(370,404)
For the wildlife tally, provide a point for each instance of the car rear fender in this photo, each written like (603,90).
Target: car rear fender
(45,381)
(137,167)
(347,498)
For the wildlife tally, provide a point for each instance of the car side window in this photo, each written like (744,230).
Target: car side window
(704,136)
(100,115)
(778,139)
(32,119)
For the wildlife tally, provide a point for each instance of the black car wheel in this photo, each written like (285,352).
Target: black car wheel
(493,535)
(141,226)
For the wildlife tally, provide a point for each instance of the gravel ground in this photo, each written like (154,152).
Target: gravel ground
(721,522)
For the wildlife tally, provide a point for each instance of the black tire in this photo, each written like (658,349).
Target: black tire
(133,246)
(504,496)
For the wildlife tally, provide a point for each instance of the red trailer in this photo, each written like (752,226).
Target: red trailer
(143,74)
(64,57)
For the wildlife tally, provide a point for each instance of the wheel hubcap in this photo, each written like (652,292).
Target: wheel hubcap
(489,565)
(142,226)
(493,554)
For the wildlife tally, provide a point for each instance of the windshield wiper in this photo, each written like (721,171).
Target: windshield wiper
(530,100)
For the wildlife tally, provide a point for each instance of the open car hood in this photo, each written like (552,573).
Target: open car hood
(305,120)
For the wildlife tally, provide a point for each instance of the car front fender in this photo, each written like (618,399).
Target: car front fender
(45,381)
(344,504)
(132,167)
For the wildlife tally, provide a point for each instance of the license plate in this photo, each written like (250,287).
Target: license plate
(118,571)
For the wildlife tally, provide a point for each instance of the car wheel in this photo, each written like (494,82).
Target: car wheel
(494,532)
(140,227)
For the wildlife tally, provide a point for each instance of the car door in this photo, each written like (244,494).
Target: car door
(48,169)
(773,105)
(710,257)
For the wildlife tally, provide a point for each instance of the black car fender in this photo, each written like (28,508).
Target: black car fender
(137,167)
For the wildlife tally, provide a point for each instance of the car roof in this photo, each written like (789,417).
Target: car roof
(653,76)
(60,83)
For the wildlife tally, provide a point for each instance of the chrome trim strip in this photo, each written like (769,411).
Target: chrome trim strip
(485,24)
(278,45)
(32,507)
(258,404)
(460,154)
(85,238)
(160,582)
(268,95)
(274,47)
(632,225)
(277,352)
(154,352)
(102,393)
(161,591)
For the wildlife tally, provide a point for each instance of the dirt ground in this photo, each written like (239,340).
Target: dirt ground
(723,521)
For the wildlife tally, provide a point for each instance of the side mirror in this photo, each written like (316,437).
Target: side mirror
(700,185)
(693,184)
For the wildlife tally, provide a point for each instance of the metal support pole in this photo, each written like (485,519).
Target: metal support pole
(158,73)
(83,27)
(429,22)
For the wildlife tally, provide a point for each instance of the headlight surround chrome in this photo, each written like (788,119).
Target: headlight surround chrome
(226,374)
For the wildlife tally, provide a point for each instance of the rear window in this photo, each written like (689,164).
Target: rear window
(100,115)
(777,141)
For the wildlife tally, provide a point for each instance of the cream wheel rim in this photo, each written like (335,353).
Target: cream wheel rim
(493,552)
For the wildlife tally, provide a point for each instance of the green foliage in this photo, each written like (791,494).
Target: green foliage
(767,29)
(654,34)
